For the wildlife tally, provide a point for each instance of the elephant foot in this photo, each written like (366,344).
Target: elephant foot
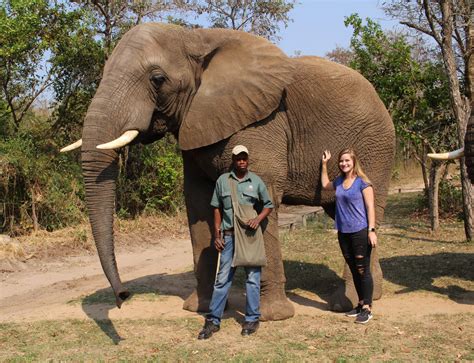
(343,299)
(197,302)
(274,305)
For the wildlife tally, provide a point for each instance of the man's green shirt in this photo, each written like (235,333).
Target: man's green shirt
(250,190)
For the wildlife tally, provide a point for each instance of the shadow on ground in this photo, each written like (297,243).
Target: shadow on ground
(313,277)
(421,272)
(98,304)
(316,278)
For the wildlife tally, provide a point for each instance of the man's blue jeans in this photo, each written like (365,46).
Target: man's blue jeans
(224,281)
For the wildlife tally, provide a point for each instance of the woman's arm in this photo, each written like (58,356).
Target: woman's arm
(325,182)
(369,201)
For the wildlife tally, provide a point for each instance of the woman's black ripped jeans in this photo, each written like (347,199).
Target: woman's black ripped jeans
(356,250)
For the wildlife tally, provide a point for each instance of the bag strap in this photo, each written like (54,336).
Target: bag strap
(233,192)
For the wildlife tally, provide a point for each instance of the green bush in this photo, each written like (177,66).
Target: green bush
(37,184)
(450,199)
(151,179)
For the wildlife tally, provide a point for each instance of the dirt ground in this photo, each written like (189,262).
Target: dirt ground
(62,288)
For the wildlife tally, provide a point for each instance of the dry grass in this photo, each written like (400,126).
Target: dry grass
(301,339)
(11,250)
(78,239)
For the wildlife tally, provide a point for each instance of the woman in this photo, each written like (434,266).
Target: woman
(355,223)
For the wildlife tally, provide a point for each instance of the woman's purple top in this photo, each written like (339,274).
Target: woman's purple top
(351,215)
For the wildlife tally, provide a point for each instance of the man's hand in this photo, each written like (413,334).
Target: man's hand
(219,241)
(254,223)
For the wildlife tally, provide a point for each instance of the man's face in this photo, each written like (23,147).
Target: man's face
(241,162)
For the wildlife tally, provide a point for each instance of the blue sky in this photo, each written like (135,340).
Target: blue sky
(318,25)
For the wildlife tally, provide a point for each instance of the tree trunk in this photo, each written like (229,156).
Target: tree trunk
(461,108)
(433,195)
(34,216)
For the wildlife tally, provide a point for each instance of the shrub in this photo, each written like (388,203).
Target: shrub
(151,179)
(450,199)
(38,186)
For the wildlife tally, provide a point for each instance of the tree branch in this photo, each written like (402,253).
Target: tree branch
(28,104)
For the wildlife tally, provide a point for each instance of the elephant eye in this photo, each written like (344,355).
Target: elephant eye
(157,80)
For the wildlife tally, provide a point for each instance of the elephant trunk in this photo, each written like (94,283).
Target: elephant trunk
(100,170)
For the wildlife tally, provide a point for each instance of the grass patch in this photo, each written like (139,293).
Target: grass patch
(299,339)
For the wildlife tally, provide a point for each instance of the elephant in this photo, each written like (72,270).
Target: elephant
(216,88)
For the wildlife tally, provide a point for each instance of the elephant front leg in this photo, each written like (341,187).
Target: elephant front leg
(198,193)
(345,297)
(205,257)
(274,304)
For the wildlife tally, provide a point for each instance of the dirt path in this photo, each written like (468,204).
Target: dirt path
(75,287)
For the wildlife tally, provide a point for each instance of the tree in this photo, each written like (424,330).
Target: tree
(260,17)
(415,92)
(447,23)
(112,18)
(341,55)
(27,28)
(30,32)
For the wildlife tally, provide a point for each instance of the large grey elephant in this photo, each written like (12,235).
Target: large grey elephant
(213,89)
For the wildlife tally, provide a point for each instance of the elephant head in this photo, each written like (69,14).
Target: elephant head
(200,85)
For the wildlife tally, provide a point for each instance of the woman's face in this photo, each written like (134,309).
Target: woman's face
(346,164)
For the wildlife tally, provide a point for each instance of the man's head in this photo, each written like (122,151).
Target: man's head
(240,159)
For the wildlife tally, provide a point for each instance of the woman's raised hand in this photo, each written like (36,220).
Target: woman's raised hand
(326,156)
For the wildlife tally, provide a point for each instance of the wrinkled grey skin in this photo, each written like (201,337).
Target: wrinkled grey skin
(214,89)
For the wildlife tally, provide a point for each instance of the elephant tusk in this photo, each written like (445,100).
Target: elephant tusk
(456,154)
(126,138)
(76,145)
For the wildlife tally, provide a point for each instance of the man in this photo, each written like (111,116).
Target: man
(250,190)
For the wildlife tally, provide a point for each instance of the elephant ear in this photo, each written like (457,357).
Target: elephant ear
(242,82)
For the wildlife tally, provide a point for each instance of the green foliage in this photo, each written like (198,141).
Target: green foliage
(36,184)
(151,179)
(414,89)
(450,199)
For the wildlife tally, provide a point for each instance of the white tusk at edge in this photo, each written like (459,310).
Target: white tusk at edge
(76,145)
(456,154)
(126,138)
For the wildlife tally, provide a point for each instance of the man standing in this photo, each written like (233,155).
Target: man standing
(250,191)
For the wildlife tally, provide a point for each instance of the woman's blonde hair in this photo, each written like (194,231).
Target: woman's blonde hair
(357,167)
